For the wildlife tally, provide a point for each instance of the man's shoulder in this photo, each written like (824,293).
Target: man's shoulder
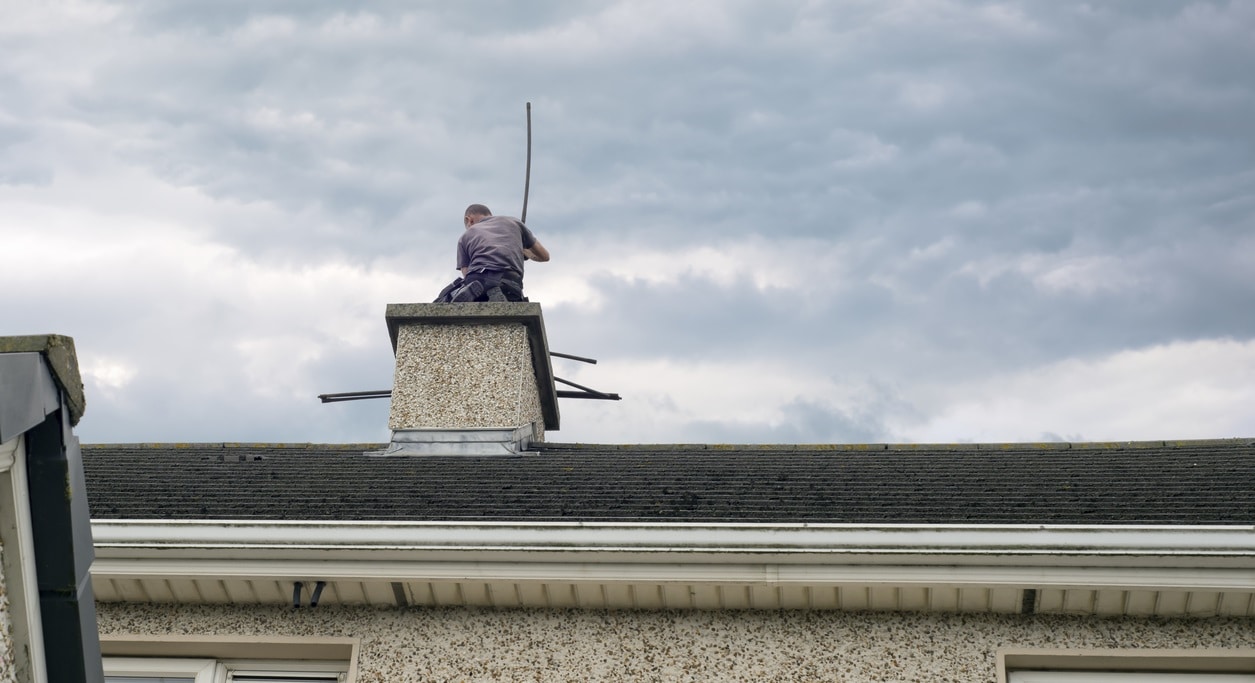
(500,220)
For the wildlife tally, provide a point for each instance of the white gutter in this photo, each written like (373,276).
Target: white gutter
(1210,558)
(360,539)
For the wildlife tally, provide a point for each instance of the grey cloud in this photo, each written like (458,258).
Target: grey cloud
(23,174)
(932,318)
(804,421)
(953,147)
(680,124)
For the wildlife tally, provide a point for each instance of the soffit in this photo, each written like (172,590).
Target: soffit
(939,598)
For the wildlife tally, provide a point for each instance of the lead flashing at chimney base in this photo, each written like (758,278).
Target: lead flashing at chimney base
(470,379)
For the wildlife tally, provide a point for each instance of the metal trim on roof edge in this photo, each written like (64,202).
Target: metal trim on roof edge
(1084,543)
(62,362)
(1125,558)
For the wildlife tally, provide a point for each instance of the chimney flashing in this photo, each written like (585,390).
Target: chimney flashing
(459,442)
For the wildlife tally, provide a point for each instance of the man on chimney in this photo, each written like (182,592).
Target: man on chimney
(490,255)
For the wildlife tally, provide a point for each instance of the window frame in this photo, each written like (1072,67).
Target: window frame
(230,655)
(200,670)
(331,671)
(1062,663)
(224,670)
(1034,676)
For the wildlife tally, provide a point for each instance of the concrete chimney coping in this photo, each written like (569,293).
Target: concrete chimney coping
(527,314)
(62,361)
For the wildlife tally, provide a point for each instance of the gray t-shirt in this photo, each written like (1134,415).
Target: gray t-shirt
(495,243)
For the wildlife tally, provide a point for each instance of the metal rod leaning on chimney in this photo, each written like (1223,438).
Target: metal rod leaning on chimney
(592,393)
(568,356)
(584,394)
(354,395)
(527,177)
(385,393)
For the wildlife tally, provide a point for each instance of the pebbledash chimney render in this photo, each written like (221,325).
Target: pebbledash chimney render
(470,379)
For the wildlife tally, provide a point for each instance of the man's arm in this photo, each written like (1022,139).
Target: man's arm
(537,252)
(463,256)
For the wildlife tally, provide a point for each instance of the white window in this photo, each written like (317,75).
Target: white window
(174,670)
(1127,665)
(144,670)
(1126,677)
(287,676)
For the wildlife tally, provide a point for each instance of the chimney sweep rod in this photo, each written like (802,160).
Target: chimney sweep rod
(527,178)
(354,395)
(560,393)
(594,392)
(568,356)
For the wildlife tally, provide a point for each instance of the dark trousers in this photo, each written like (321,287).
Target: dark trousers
(498,285)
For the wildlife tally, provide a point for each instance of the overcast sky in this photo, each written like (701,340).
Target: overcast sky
(863,221)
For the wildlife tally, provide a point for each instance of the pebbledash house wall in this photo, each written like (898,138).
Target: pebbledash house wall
(474,644)
(8,668)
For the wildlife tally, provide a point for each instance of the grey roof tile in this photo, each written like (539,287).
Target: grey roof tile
(1187,482)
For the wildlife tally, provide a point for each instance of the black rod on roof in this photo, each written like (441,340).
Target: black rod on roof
(560,393)
(363,395)
(568,356)
(589,393)
(527,179)
(354,395)
(585,392)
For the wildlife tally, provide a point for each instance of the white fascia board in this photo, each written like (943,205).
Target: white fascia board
(366,537)
(679,543)
(1127,557)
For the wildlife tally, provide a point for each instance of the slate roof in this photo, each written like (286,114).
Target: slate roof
(1154,483)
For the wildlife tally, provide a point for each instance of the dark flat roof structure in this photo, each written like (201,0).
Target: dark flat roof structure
(1134,483)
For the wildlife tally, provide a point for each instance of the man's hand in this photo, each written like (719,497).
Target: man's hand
(536,252)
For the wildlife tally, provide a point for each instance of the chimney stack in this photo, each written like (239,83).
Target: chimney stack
(470,379)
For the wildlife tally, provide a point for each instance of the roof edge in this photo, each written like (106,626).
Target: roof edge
(1144,558)
(1002,540)
(567,446)
(227,445)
